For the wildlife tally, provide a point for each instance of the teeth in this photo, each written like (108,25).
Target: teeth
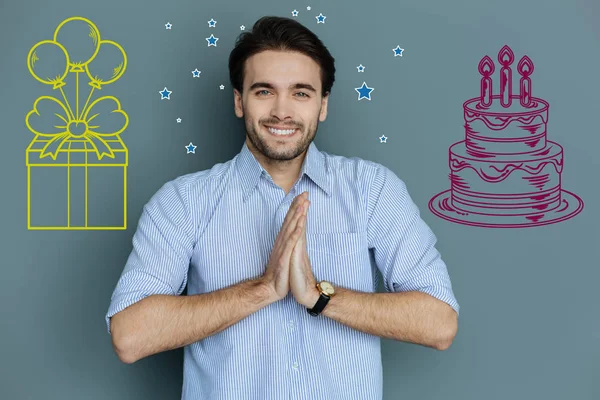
(281,132)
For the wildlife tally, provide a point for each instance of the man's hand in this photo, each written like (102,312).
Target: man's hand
(302,281)
(276,276)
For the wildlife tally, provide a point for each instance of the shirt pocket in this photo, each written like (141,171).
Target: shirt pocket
(341,258)
(335,243)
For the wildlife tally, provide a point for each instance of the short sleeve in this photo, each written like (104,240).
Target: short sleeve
(403,244)
(162,249)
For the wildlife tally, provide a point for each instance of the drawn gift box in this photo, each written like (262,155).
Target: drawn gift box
(77,189)
(77,161)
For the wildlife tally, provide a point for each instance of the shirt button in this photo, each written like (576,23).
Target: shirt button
(295,365)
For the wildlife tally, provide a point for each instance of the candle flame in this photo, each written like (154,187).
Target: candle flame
(525,66)
(486,66)
(506,56)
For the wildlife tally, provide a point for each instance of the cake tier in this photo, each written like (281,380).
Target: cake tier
(506,184)
(499,130)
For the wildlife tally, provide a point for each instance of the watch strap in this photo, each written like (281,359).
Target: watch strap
(319,305)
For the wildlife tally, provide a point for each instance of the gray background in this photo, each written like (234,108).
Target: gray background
(529,326)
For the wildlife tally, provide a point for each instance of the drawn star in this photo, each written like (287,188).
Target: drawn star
(212,23)
(222,87)
(196,73)
(212,40)
(168,25)
(295,13)
(191,148)
(308,8)
(361,68)
(242,27)
(178,120)
(165,94)
(364,92)
(398,51)
(382,139)
(320,18)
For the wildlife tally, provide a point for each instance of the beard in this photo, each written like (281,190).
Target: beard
(261,140)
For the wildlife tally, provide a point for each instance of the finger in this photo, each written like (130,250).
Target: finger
(296,235)
(304,220)
(291,242)
(290,221)
(296,213)
(291,211)
(284,230)
(294,222)
(300,212)
(302,227)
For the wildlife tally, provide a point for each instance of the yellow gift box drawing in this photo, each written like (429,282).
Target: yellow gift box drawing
(71,147)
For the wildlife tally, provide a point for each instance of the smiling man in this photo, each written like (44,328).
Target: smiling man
(275,248)
(281,105)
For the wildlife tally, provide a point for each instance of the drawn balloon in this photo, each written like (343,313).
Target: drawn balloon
(48,62)
(108,66)
(81,38)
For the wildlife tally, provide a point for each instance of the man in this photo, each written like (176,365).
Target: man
(252,238)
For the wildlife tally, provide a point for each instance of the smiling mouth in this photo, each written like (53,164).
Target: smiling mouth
(282,132)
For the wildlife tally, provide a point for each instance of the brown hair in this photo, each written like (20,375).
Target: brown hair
(282,34)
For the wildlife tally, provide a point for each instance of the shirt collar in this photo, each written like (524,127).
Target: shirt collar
(315,166)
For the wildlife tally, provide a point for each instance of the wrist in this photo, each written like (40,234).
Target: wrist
(267,292)
(312,297)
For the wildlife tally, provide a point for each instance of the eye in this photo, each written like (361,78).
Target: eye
(260,92)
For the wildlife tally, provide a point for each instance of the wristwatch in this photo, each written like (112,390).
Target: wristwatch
(327,292)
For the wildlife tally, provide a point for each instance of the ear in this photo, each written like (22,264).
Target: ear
(237,102)
(323,113)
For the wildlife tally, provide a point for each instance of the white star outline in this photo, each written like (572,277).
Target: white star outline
(368,96)
(168,96)
(193,151)
(212,37)
(398,48)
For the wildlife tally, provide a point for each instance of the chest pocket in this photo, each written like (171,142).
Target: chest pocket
(342,258)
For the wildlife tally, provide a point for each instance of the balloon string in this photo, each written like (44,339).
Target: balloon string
(67,102)
(77,94)
(86,103)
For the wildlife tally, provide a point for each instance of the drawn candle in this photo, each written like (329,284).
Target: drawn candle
(486,68)
(525,68)
(506,58)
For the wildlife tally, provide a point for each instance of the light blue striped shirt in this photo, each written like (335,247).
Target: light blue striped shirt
(215,228)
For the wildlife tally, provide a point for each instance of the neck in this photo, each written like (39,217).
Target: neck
(283,172)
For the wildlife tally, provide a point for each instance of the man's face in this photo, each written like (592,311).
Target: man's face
(281,89)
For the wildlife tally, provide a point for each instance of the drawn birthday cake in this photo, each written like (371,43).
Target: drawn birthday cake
(506,173)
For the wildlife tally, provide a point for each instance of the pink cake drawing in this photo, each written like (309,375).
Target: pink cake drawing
(506,173)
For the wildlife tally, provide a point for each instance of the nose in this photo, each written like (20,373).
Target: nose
(281,108)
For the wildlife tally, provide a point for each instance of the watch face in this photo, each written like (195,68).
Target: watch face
(327,288)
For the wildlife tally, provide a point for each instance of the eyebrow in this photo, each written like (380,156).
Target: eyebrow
(306,86)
